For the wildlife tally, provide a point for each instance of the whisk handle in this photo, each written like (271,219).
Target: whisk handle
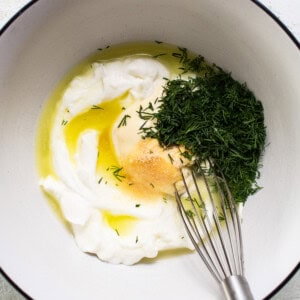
(236,287)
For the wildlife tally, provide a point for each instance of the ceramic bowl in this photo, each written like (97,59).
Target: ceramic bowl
(40,44)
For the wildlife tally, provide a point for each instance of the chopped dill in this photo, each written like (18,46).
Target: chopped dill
(116,172)
(137,205)
(100,180)
(152,184)
(159,55)
(64,122)
(123,122)
(117,232)
(212,116)
(158,42)
(221,217)
(189,214)
(96,107)
(136,239)
(171,158)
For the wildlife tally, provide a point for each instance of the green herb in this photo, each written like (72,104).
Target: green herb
(117,232)
(96,107)
(136,239)
(221,217)
(152,184)
(214,117)
(137,205)
(146,113)
(116,172)
(189,214)
(124,121)
(195,64)
(158,55)
(158,42)
(99,181)
(64,122)
(171,158)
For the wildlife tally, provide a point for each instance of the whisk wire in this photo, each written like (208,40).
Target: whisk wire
(216,238)
(236,224)
(223,252)
(226,203)
(192,225)
(201,251)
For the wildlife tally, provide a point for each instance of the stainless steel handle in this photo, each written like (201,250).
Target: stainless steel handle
(236,287)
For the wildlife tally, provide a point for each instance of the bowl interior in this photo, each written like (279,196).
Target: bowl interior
(50,37)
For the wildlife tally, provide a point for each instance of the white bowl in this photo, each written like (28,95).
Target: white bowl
(48,38)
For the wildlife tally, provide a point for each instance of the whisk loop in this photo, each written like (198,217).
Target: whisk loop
(211,218)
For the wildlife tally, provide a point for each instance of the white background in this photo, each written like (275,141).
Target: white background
(288,11)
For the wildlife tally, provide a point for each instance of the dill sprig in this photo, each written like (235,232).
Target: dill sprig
(96,107)
(123,122)
(214,117)
(195,64)
(159,55)
(116,172)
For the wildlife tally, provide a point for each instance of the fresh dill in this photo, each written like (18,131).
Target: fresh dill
(137,205)
(64,122)
(96,107)
(159,55)
(189,214)
(212,116)
(171,158)
(123,122)
(116,171)
(100,180)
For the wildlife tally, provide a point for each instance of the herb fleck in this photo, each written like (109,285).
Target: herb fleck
(116,172)
(123,122)
(96,107)
(159,55)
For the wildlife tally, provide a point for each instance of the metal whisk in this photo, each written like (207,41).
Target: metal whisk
(211,218)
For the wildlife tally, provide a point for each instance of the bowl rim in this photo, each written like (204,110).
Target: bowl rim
(268,12)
